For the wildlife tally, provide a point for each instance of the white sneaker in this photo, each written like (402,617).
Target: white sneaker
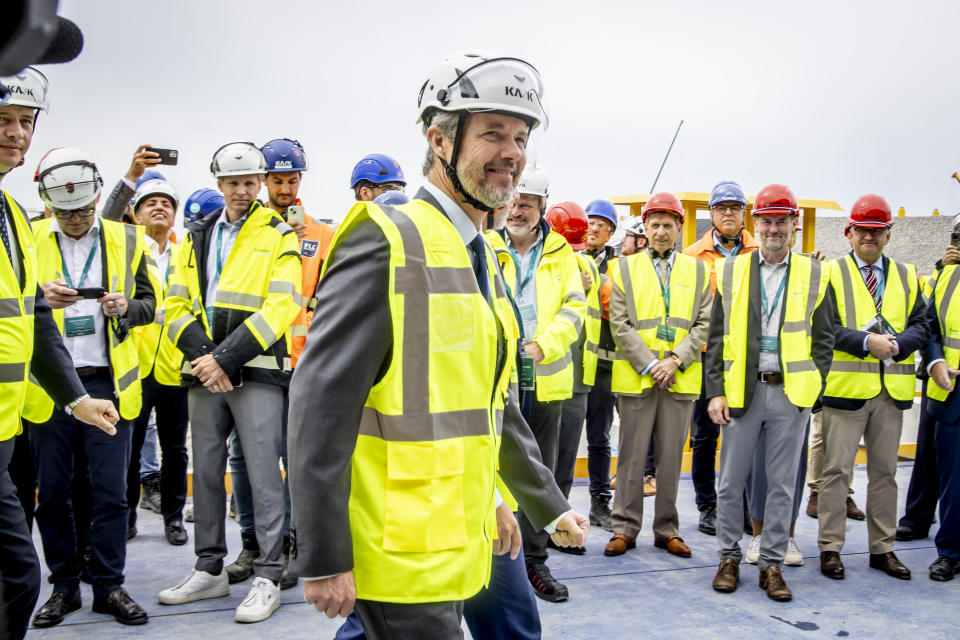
(199,585)
(753,550)
(262,600)
(793,557)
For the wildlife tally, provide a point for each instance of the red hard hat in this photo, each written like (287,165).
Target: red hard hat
(569,220)
(870,211)
(775,199)
(663,201)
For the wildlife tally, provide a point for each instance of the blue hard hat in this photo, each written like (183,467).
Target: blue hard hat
(202,202)
(727,191)
(284,154)
(392,198)
(601,208)
(148,174)
(377,168)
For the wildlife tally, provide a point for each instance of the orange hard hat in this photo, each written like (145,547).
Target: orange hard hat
(663,201)
(569,220)
(775,199)
(870,210)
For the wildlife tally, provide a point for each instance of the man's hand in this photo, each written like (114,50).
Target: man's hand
(663,373)
(951,256)
(142,160)
(99,413)
(58,295)
(334,596)
(944,375)
(114,305)
(508,533)
(299,227)
(571,531)
(817,255)
(882,347)
(533,350)
(719,410)
(207,370)
(587,281)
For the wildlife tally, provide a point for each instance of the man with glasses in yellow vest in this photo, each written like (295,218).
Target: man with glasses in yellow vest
(880,324)
(398,400)
(657,375)
(768,352)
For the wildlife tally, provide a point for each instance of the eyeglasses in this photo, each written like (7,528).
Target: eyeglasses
(732,208)
(389,186)
(869,231)
(84,212)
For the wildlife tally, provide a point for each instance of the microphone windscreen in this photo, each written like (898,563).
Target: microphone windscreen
(66,45)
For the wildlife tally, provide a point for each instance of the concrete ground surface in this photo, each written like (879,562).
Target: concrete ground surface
(644,594)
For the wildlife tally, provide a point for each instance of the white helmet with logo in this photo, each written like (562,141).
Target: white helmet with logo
(152,188)
(238,159)
(535,182)
(26,89)
(634,226)
(68,179)
(482,81)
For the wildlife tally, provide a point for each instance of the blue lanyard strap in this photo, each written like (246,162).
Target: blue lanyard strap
(532,266)
(219,251)
(776,299)
(86,267)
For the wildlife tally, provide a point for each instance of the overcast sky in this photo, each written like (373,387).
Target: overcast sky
(835,99)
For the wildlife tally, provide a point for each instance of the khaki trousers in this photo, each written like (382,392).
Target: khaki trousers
(878,422)
(667,416)
(815,462)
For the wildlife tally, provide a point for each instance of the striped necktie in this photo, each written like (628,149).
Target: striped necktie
(664,269)
(4,234)
(873,284)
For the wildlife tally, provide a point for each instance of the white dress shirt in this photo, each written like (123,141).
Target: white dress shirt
(772,275)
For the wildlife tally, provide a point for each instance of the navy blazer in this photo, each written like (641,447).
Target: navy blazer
(947,411)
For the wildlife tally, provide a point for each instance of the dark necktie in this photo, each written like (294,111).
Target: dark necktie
(480,265)
(4,235)
(873,284)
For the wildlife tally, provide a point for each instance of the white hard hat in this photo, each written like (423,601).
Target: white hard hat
(152,188)
(635,226)
(535,182)
(26,89)
(482,81)
(238,159)
(68,179)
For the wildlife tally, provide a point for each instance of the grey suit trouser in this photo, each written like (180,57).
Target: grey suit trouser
(255,409)
(783,427)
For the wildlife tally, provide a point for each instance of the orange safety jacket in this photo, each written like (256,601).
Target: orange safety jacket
(704,249)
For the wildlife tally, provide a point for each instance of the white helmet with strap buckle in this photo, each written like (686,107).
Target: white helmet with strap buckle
(478,81)
(68,179)
(634,226)
(26,89)
(534,181)
(151,188)
(238,159)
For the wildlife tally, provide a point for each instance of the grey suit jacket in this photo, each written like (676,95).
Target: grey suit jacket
(348,350)
(117,202)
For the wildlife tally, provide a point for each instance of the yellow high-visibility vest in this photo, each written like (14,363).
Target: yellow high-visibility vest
(16,322)
(156,352)
(948,315)
(591,344)
(422,505)
(806,286)
(646,307)
(859,378)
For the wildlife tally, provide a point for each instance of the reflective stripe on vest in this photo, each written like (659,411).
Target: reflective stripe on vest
(860,378)
(592,323)
(948,316)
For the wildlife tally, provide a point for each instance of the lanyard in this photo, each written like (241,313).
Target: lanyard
(763,296)
(219,252)
(532,266)
(86,267)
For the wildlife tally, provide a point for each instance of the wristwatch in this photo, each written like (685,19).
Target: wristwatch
(73,405)
(677,361)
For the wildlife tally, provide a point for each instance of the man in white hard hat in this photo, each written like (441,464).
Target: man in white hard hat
(234,293)
(408,453)
(634,237)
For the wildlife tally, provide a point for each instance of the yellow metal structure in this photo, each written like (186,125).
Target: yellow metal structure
(693,202)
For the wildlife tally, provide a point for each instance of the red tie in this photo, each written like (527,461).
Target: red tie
(873,284)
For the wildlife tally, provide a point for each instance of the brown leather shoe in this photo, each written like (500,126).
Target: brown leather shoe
(853,511)
(831,565)
(674,545)
(771,580)
(649,486)
(812,504)
(728,575)
(890,565)
(619,544)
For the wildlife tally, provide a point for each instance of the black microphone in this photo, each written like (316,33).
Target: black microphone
(66,45)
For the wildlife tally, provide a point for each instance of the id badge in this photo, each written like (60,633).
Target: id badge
(769,344)
(209,311)
(161,316)
(78,326)
(665,333)
(527,374)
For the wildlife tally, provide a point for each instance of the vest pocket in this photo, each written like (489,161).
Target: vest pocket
(424,507)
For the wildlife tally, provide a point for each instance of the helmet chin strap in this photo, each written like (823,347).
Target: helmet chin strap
(451,170)
(732,238)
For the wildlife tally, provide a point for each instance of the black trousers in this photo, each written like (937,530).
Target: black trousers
(22,474)
(600,404)
(19,565)
(924,489)
(573,413)
(545,425)
(703,440)
(392,621)
(170,404)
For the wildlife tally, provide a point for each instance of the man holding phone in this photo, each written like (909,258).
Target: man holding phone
(142,168)
(96,278)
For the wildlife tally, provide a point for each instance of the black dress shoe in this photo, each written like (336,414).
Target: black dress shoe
(831,565)
(905,533)
(890,565)
(53,610)
(545,586)
(175,533)
(131,532)
(708,520)
(574,551)
(121,606)
(944,568)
